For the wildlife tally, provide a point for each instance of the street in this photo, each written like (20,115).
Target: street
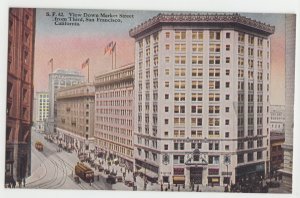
(55,170)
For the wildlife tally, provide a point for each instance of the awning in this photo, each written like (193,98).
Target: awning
(277,144)
(215,179)
(178,179)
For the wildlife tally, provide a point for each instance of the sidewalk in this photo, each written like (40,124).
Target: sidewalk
(140,181)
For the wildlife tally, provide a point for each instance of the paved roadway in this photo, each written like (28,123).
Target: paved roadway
(55,170)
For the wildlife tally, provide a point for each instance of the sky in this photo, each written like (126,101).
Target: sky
(70,46)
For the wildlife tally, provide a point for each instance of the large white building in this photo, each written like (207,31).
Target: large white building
(114,93)
(59,79)
(202,98)
(41,110)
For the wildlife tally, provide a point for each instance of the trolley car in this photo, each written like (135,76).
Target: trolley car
(84,172)
(39,146)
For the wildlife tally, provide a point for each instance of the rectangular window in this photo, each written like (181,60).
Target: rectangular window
(180,35)
(214,48)
(197,35)
(214,35)
(180,47)
(197,72)
(197,60)
(227,47)
(180,59)
(197,48)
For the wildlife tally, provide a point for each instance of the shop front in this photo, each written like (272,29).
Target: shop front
(213,178)
(213,181)
(179,177)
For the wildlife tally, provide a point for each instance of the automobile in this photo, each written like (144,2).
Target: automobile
(119,178)
(100,168)
(111,179)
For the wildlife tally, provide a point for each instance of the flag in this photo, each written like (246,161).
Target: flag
(50,61)
(109,47)
(86,63)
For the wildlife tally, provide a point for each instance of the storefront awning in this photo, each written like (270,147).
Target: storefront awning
(178,179)
(215,179)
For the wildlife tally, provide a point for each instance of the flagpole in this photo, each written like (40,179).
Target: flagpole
(112,61)
(88,71)
(115,55)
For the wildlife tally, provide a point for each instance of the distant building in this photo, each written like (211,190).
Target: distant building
(75,116)
(41,110)
(277,118)
(19,106)
(114,94)
(59,79)
(202,98)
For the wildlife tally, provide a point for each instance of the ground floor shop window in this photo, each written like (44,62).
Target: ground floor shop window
(213,181)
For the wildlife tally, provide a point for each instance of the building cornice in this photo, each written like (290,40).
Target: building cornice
(203,19)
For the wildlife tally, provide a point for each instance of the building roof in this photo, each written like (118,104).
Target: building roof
(67,71)
(234,20)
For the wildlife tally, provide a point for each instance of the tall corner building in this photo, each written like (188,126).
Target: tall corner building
(114,110)
(19,107)
(202,98)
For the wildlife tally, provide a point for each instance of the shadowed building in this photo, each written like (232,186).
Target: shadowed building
(290,32)
(75,116)
(19,93)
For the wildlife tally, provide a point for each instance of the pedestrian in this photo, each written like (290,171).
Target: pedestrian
(20,183)
(178,188)
(14,183)
(161,187)
(168,185)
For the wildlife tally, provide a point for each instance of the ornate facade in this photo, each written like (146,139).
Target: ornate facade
(202,98)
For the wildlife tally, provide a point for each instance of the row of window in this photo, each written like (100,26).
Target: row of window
(250,157)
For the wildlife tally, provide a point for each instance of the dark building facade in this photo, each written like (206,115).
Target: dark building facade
(19,93)
(276,152)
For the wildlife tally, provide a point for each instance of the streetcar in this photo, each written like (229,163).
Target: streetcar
(84,172)
(39,146)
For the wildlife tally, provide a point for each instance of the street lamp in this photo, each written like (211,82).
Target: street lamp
(227,162)
(145,178)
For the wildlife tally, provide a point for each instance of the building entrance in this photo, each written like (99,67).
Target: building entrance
(196,175)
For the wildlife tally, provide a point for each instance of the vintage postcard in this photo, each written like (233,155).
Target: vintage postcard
(150,100)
